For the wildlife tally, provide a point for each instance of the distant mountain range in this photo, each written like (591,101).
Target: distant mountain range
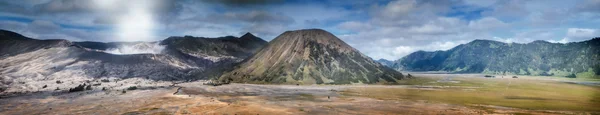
(576,59)
(310,56)
(385,62)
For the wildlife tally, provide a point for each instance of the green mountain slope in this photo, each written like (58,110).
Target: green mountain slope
(581,59)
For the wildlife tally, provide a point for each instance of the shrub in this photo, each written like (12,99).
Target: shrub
(546,74)
(105,80)
(597,69)
(89,87)
(58,82)
(103,88)
(57,88)
(44,86)
(132,88)
(571,76)
(124,91)
(78,88)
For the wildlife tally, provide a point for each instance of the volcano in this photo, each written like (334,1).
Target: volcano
(28,64)
(310,56)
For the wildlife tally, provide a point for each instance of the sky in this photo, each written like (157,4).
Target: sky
(387,29)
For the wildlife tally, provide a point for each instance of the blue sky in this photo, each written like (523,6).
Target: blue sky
(386,29)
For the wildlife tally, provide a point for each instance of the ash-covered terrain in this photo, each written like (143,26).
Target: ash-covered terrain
(31,65)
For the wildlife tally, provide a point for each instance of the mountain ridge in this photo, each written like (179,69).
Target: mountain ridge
(487,56)
(12,43)
(27,62)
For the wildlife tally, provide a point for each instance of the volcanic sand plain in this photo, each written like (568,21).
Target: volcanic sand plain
(424,94)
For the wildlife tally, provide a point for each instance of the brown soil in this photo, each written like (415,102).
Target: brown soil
(239,99)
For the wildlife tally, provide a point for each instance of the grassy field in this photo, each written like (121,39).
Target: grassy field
(531,94)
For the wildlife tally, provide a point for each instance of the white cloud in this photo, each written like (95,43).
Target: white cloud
(354,26)
(578,34)
(436,26)
(564,40)
(427,29)
(527,36)
(403,50)
(397,9)
(379,29)
(134,22)
(310,11)
(509,9)
(486,23)
(589,6)
(483,3)
(552,35)
(43,27)
(18,27)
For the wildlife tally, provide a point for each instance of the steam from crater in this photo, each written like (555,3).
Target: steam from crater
(138,48)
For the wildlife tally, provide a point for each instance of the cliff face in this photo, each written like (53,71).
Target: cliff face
(310,56)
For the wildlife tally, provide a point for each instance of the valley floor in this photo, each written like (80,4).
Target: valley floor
(426,94)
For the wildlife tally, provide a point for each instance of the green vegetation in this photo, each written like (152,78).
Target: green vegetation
(80,87)
(89,87)
(571,76)
(538,58)
(517,93)
(132,88)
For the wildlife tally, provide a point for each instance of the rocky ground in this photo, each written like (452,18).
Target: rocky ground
(197,98)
